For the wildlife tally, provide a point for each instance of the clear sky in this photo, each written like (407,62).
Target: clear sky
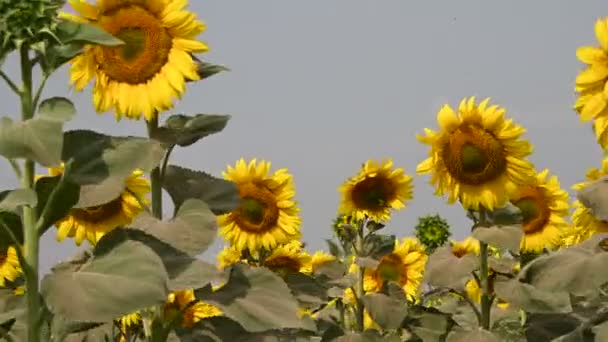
(321,86)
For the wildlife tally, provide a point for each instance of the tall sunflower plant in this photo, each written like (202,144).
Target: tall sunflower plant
(530,270)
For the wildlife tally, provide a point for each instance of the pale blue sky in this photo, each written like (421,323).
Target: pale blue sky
(321,86)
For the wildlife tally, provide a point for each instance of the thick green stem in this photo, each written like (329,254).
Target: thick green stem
(359,287)
(484,276)
(29,213)
(155,179)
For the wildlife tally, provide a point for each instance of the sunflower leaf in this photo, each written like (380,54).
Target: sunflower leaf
(504,216)
(39,139)
(531,299)
(185,130)
(206,70)
(548,326)
(192,230)
(10,226)
(95,157)
(507,237)
(13,200)
(387,312)
(57,108)
(13,315)
(438,264)
(594,197)
(122,276)
(72,32)
(378,245)
(477,335)
(220,195)
(56,196)
(256,298)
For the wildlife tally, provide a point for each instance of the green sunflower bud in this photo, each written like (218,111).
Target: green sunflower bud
(432,231)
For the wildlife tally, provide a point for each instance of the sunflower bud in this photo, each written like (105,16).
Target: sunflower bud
(433,231)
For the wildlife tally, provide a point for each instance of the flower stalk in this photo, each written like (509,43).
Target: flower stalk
(484,276)
(359,286)
(155,175)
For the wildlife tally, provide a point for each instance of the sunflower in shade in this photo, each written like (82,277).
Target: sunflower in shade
(289,257)
(268,215)
(189,308)
(92,223)
(477,157)
(10,268)
(149,71)
(375,191)
(544,206)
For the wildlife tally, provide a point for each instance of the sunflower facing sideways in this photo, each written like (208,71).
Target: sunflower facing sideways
(477,157)
(585,224)
(94,222)
(289,257)
(147,72)
(376,190)
(592,103)
(467,246)
(189,308)
(10,269)
(268,214)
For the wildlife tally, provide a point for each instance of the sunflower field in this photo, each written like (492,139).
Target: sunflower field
(534,267)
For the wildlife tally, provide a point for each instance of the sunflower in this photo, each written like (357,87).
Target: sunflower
(574,235)
(228,257)
(473,291)
(147,72)
(544,206)
(467,246)
(127,323)
(191,310)
(585,223)
(477,157)
(288,257)
(318,259)
(405,265)
(10,269)
(268,215)
(94,222)
(592,102)
(376,190)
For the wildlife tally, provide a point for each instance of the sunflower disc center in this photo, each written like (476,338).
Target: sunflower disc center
(284,262)
(474,156)
(253,210)
(258,211)
(391,269)
(135,42)
(372,193)
(98,213)
(534,210)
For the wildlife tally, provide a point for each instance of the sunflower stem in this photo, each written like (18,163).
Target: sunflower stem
(155,179)
(484,276)
(359,287)
(29,213)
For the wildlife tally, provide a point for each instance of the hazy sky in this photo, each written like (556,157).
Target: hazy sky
(321,86)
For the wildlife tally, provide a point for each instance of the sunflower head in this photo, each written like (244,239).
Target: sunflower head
(289,257)
(544,206)
(477,157)
(433,231)
(318,259)
(10,269)
(376,190)
(268,215)
(183,304)
(145,74)
(228,257)
(92,223)
(469,245)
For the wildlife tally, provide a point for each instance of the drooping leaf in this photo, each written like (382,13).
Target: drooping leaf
(183,130)
(192,230)
(13,200)
(71,32)
(56,196)
(477,335)
(220,195)
(119,279)
(378,245)
(94,157)
(206,70)
(308,290)
(387,312)
(595,197)
(256,298)
(548,326)
(531,299)
(443,268)
(507,237)
(184,271)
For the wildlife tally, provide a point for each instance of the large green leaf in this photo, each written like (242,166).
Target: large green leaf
(378,245)
(57,108)
(366,336)
(308,290)
(256,298)
(101,333)
(443,268)
(531,299)
(120,278)
(10,226)
(184,271)
(13,200)
(428,323)
(595,197)
(220,195)
(192,230)
(185,130)
(206,69)
(13,313)
(72,32)
(56,196)
(548,326)
(95,157)
(507,237)
(387,312)
(477,335)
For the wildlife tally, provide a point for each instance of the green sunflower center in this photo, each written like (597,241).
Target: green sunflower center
(100,213)
(391,269)
(135,40)
(253,210)
(535,210)
(474,156)
(529,209)
(373,193)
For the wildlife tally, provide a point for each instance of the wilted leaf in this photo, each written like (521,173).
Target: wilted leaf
(546,327)
(192,230)
(387,312)
(69,31)
(531,299)
(477,335)
(119,279)
(185,130)
(595,197)
(507,237)
(256,298)
(220,195)
(94,157)
(56,196)
(443,268)
(13,200)
(378,245)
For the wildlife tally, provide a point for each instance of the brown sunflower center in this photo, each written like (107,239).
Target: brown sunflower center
(284,262)
(258,211)
(146,45)
(459,251)
(535,211)
(373,193)
(474,156)
(391,268)
(98,213)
